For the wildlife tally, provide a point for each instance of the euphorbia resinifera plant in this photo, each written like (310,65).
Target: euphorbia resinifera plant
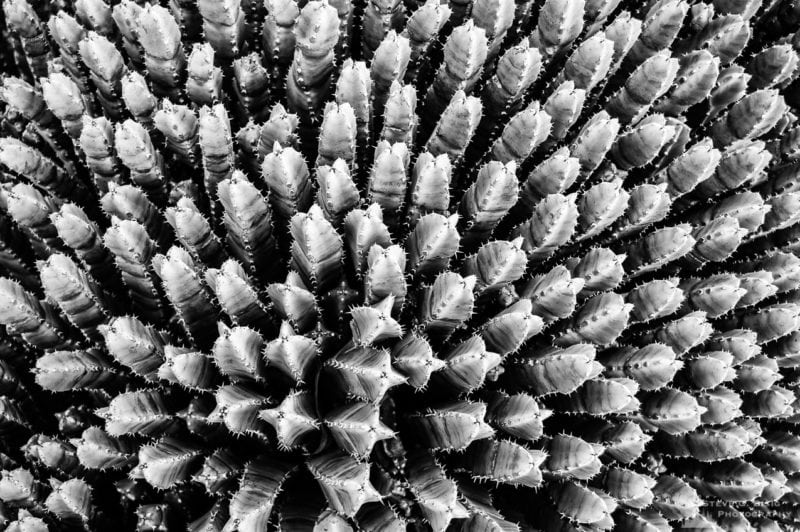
(383,265)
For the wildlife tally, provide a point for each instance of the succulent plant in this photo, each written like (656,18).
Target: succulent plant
(382,265)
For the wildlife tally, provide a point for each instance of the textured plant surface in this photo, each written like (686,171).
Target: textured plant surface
(490,265)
